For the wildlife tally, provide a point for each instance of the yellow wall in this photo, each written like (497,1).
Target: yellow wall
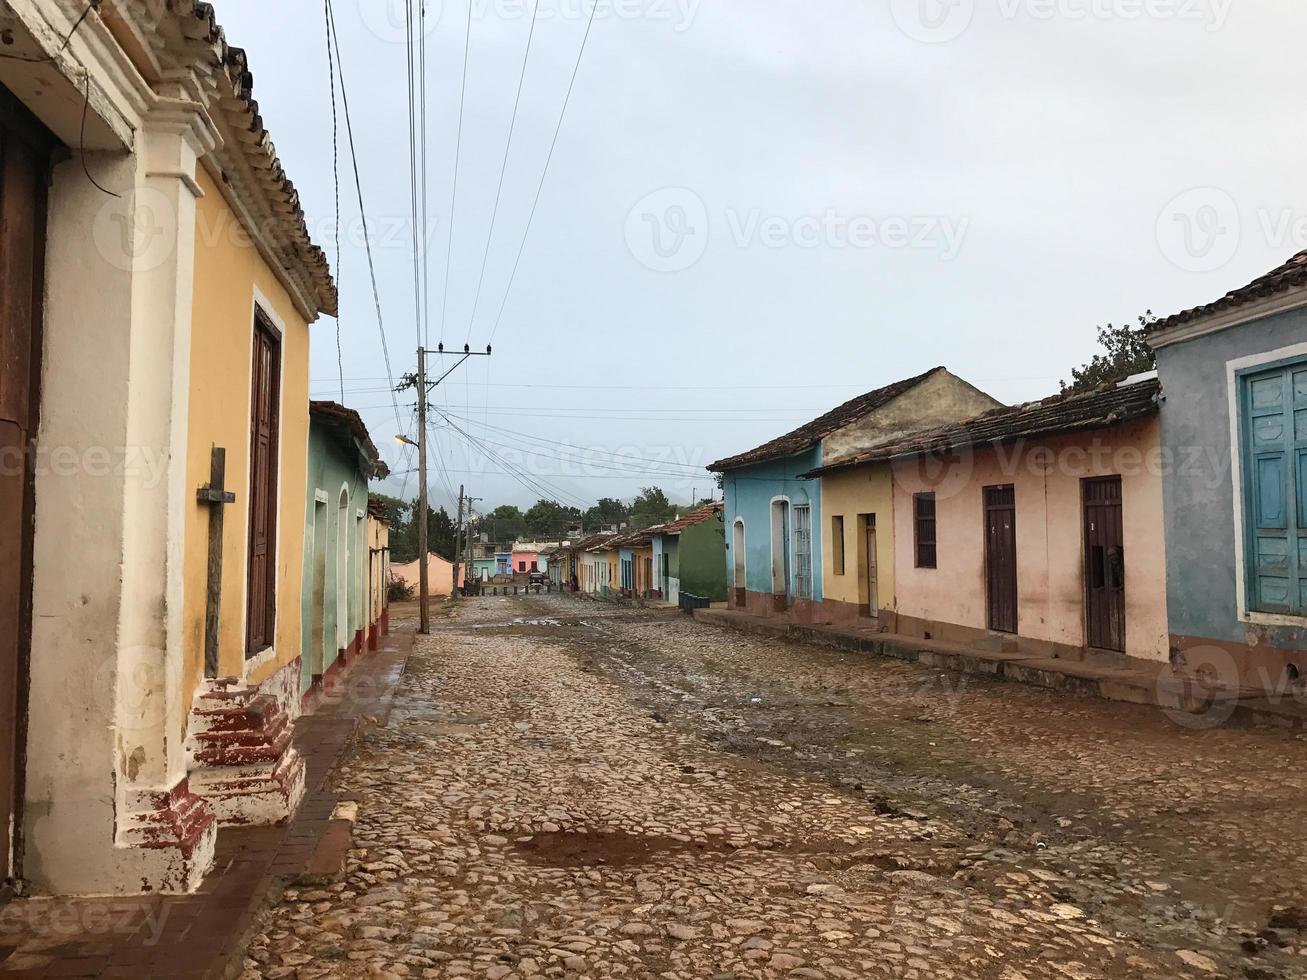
(228,270)
(848,494)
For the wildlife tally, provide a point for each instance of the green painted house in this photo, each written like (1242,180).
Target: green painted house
(337,562)
(689,555)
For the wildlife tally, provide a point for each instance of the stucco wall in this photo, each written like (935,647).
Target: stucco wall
(702,559)
(941,398)
(230,276)
(331,469)
(440,575)
(848,494)
(1049,533)
(749,493)
(1203,569)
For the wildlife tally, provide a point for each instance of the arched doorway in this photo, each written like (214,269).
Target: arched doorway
(343,525)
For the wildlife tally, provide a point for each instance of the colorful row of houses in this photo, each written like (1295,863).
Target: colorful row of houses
(687,555)
(187,553)
(1162,518)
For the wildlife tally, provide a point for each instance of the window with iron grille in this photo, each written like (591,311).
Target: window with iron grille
(803,552)
(923,505)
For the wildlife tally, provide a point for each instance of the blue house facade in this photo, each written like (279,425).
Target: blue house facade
(773,516)
(1234,433)
(773,556)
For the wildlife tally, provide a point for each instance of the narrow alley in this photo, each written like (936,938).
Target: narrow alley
(565,788)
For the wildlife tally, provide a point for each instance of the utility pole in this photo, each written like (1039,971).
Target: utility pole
(424,583)
(464,538)
(458,539)
(419,381)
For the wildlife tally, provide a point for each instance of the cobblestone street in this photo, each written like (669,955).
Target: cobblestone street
(570,789)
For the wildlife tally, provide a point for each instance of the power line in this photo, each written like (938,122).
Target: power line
(545,172)
(503,169)
(335,177)
(458,155)
(555,442)
(363,212)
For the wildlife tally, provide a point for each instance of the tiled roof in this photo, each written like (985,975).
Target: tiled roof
(206,40)
(809,435)
(346,419)
(1098,409)
(1291,275)
(695,517)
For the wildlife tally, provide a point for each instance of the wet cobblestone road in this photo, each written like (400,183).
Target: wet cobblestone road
(569,789)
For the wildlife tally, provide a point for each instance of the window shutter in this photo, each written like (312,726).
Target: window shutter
(1275,495)
(264,406)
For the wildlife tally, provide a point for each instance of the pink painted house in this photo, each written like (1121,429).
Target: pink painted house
(1012,527)
(440,575)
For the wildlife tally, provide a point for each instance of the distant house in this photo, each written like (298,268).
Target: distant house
(440,575)
(1039,524)
(774,516)
(1234,430)
(689,555)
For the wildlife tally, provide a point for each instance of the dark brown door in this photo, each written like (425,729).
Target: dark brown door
(265,407)
(24,168)
(1001,558)
(1104,564)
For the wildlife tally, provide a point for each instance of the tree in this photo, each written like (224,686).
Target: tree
(651,507)
(605,513)
(1125,353)
(549,519)
(505,524)
(404,530)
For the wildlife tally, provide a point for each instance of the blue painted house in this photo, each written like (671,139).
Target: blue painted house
(773,516)
(1234,430)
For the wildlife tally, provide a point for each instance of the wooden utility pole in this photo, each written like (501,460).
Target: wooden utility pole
(424,584)
(419,381)
(458,540)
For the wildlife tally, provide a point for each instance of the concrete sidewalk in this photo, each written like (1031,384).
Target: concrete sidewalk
(1138,682)
(204,935)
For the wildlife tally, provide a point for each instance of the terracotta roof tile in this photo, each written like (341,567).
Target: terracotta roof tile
(809,435)
(1291,275)
(1098,409)
(341,418)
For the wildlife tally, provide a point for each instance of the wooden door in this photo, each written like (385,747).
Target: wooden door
(1104,564)
(873,583)
(24,168)
(1001,558)
(265,405)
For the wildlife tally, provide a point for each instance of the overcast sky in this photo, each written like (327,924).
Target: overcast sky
(758,209)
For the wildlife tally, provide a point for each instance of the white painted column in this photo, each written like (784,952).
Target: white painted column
(108,808)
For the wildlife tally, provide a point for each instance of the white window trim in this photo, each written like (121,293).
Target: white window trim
(1232,369)
(812,548)
(743,564)
(771,537)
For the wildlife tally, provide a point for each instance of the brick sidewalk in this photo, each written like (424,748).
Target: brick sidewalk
(204,935)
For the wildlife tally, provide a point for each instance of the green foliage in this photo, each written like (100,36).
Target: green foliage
(399,591)
(1125,353)
(549,520)
(404,531)
(651,507)
(606,512)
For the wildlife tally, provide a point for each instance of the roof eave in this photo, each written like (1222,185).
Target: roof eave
(1164,335)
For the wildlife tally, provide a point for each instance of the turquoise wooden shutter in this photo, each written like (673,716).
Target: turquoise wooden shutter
(1275,504)
(1298,385)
